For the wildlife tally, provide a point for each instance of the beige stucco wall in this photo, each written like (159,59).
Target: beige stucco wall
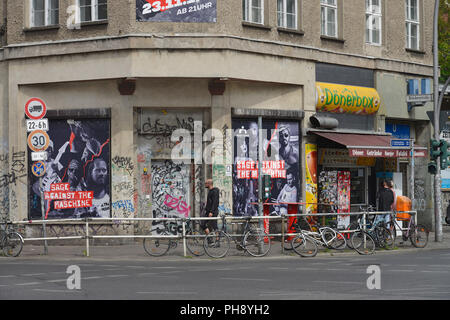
(392,88)
(173,63)
(122,21)
(169,92)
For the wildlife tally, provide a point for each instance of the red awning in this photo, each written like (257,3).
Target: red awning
(370,145)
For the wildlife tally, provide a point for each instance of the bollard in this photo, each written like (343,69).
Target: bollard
(184,236)
(282,233)
(87,237)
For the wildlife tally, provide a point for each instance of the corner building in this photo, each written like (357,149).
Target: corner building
(120,77)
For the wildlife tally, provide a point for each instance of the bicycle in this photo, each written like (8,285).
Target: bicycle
(376,229)
(160,246)
(295,226)
(417,234)
(255,241)
(11,242)
(306,243)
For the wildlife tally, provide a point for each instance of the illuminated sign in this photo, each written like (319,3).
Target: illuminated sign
(338,98)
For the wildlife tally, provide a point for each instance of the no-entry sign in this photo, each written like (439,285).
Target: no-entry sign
(35,109)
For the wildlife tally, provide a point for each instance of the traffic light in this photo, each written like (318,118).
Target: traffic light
(432,167)
(444,154)
(435,149)
(435,152)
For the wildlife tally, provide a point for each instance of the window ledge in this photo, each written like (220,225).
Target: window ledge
(415,51)
(42,28)
(322,37)
(94,23)
(293,31)
(256,25)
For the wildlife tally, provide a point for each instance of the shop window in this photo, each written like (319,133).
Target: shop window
(76,182)
(373,21)
(44,13)
(280,167)
(412,24)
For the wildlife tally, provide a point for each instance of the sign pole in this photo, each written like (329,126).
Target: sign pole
(437,176)
(41,189)
(412,172)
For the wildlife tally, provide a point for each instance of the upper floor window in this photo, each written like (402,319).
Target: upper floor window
(328,17)
(92,10)
(44,13)
(412,24)
(373,21)
(253,11)
(287,14)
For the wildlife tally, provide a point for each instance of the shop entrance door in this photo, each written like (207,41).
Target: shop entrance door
(170,192)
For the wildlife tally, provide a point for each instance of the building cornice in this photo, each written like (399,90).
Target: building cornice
(194,41)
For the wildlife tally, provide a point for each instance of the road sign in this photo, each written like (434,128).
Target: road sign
(41,124)
(38,140)
(401,143)
(38,168)
(39,156)
(419,97)
(35,109)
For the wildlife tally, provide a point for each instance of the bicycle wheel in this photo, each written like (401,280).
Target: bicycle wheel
(216,244)
(348,235)
(304,246)
(328,236)
(419,235)
(157,247)
(363,242)
(256,242)
(194,243)
(339,242)
(12,244)
(385,238)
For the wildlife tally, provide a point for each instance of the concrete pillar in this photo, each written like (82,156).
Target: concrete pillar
(221,166)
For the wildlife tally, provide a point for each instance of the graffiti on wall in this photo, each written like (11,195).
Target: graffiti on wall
(171,190)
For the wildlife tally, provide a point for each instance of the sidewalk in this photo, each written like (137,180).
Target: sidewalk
(135,252)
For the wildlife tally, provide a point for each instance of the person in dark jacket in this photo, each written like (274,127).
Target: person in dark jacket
(212,206)
(385,200)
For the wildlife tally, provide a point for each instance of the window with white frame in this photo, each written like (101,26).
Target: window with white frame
(92,10)
(373,21)
(253,11)
(44,13)
(328,17)
(412,24)
(287,14)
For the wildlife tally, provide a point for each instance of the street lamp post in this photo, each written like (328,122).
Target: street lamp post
(437,177)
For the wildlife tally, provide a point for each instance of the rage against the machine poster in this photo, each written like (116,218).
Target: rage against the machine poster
(76,182)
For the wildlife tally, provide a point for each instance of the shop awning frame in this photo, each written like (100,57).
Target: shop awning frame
(371,145)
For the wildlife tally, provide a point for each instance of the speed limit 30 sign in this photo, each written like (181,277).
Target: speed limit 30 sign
(38,140)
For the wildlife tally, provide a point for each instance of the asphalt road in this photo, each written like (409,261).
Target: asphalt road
(403,275)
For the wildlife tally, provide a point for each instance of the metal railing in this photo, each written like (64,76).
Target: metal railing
(87,222)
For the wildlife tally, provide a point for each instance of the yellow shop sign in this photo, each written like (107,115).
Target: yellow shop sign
(339,98)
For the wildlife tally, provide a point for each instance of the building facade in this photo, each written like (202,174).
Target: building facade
(131,85)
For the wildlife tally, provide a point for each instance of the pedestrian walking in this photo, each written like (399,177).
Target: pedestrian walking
(212,206)
(385,199)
